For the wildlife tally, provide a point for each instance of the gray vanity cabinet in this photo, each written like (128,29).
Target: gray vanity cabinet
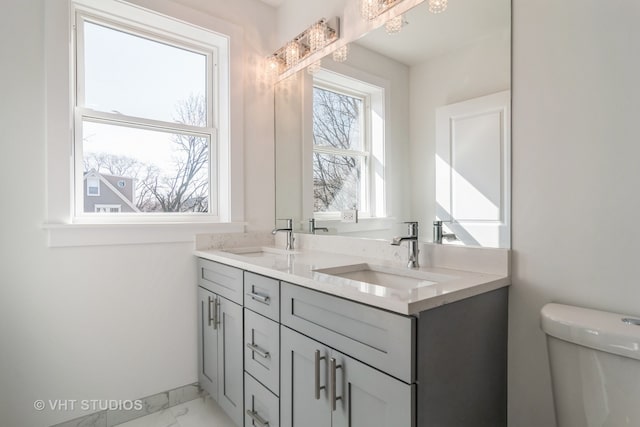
(220,328)
(322,387)
(297,357)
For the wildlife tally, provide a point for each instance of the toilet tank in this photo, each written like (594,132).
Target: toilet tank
(595,366)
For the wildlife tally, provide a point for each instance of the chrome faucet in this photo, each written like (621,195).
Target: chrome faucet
(288,230)
(438,234)
(313,228)
(412,238)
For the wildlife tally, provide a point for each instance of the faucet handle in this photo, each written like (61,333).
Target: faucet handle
(289,221)
(413,227)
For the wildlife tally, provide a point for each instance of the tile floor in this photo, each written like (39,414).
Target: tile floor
(201,412)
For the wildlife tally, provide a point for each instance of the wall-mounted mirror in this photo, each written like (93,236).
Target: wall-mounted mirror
(413,126)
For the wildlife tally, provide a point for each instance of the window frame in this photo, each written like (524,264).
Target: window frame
(84,114)
(62,227)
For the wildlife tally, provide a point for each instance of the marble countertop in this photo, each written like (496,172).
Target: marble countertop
(300,267)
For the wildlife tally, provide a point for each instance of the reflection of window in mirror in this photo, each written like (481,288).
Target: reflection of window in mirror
(346,138)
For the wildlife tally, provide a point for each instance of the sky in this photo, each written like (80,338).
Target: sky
(138,77)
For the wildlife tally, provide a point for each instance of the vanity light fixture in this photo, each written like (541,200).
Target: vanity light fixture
(370,9)
(274,66)
(311,40)
(314,67)
(292,53)
(437,6)
(317,36)
(394,25)
(341,53)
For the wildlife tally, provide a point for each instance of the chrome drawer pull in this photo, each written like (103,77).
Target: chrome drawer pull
(334,368)
(216,314)
(260,298)
(317,374)
(209,306)
(259,351)
(257,419)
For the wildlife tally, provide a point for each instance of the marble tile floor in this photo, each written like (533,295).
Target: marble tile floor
(200,412)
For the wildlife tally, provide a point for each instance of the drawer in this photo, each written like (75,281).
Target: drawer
(262,295)
(221,279)
(262,408)
(378,338)
(262,349)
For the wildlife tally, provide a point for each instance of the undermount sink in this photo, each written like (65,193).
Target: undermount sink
(259,252)
(389,277)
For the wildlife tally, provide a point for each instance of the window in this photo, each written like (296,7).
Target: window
(73,99)
(93,186)
(347,140)
(340,150)
(145,112)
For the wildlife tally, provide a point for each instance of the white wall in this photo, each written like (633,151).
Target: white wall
(476,70)
(114,322)
(576,104)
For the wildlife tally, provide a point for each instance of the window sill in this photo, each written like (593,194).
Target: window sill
(69,235)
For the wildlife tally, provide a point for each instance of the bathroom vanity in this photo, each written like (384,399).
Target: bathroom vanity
(309,338)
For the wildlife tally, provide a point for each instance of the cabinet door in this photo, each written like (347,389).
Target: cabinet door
(366,397)
(304,389)
(207,343)
(230,393)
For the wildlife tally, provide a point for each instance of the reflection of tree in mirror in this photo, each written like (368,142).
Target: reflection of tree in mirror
(182,188)
(337,129)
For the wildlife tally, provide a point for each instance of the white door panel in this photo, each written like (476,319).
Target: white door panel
(473,169)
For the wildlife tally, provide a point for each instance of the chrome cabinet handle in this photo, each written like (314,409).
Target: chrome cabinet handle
(256,349)
(257,419)
(317,374)
(216,315)
(333,397)
(209,310)
(260,298)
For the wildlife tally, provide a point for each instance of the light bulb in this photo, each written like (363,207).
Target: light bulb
(292,53)
(317,36)
(273,65)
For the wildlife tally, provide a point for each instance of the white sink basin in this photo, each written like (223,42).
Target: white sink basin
(259,252)
(389,277)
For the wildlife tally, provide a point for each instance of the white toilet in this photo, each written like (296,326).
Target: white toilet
(595,366)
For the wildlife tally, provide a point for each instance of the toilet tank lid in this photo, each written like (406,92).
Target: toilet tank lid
(592,328)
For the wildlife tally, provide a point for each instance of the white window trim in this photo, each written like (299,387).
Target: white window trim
(61,225)
(372,90)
